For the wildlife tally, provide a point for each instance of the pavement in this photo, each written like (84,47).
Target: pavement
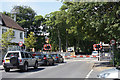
(1,68)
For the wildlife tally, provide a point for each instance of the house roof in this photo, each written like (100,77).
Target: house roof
(8,22)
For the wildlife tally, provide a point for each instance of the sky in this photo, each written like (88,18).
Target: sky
(41,7)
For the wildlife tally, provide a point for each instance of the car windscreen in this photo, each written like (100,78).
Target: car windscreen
(13,54)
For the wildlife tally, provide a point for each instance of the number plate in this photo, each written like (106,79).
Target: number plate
(8,61)
(39,59)
(53,57)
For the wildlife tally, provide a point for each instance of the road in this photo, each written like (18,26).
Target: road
(69,69)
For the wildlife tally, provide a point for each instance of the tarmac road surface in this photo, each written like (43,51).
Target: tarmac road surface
(69,69)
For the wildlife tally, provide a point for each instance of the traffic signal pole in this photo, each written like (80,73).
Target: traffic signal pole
(113,55)
(98,54)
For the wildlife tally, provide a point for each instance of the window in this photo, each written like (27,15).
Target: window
(4,30)
(30,56)
(22,54)
(21,35)
(26,54)
(13,54)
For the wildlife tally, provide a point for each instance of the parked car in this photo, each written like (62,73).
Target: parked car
(39,56)
(48,60)
(58,58)
(19,59)
(44,59)
(110,73)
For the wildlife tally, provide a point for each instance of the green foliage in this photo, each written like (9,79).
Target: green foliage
(117,57)
(6,38)
(77,24)
(30,41)
(25,16)
(39,43)
(85,23)
(6,13)
(38,20)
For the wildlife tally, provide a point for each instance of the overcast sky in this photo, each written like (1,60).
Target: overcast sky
(41,7)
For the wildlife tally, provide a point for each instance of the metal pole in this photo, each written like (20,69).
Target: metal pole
(113,54)
(98,54)
(1,56)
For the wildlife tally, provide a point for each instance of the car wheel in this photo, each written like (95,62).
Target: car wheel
(62,61)
(53,63)
(47,63)
(7,69)
(58,61)
(25,67)
(36,65)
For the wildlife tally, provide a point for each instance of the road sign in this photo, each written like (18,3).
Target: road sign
(113,42)
(97,46)
(20,43)
(47,46)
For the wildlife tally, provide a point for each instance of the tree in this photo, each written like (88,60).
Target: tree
(25,17)
(30,41)
(92,23)
(57,23)
(6,13)
(38,20)
(6,39)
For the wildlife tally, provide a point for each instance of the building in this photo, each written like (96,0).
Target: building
(7,23)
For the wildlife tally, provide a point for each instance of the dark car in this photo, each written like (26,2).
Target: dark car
(44,59)
(58,58)
(48,60)
(39,56)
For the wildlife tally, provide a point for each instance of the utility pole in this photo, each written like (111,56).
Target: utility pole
(26,29)
(113,55)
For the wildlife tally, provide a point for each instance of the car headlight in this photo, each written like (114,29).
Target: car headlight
(105,75)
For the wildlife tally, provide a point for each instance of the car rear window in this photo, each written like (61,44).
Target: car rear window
(13,54)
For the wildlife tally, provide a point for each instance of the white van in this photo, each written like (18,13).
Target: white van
(95,53)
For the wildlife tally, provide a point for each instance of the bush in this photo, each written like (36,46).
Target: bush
(117,57)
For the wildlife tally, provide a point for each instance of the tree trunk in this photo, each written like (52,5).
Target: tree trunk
(66,42)
(59,41)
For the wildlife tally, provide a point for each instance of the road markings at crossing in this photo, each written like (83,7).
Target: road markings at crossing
(89,74)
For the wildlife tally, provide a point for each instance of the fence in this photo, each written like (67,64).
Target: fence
(62,53)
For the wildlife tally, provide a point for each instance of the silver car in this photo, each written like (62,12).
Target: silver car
(110,73)
(19,59)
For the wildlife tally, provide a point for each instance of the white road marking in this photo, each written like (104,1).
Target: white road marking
(89,74)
